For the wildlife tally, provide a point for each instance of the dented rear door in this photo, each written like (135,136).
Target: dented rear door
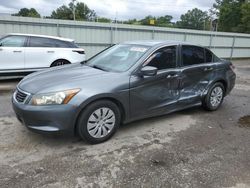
(196,74)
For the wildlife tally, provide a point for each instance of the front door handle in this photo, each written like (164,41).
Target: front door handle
(208,69)
(17,51)
(50,51)
(172,76)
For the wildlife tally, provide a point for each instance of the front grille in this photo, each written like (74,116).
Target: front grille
(20,96)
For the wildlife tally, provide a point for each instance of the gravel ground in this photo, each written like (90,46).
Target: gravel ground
(191,148)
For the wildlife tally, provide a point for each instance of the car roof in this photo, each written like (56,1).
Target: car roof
(152,43)
(44,36)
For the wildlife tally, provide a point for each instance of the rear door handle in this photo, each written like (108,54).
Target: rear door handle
(50,51)
(208,69)
(17,51)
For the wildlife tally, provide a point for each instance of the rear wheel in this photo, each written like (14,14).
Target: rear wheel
(99,121)
(214,97)
(59,62)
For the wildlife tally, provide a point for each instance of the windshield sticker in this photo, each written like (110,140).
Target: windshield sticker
(138,49)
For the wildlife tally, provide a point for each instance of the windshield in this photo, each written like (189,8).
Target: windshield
(118,58)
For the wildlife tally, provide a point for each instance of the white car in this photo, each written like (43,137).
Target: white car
(25,53)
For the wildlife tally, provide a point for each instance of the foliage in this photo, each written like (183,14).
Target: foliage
(229,12)
(82,12)
(25,12)
(132,21)
(245,19)
(234,15)
(146,20)
(193,19)
(104,20)
(62,12)
(162,21)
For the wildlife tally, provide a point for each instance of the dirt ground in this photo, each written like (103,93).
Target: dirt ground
(191,148)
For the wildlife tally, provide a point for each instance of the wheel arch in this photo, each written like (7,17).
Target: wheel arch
(221,80)
(60,59)
(94,99)
(225,84)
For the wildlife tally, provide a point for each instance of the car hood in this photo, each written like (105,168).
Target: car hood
(59,78)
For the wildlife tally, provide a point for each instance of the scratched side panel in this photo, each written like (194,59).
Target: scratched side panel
(151,96)
(194,82)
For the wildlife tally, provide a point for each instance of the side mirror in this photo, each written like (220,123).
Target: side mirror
(149,71)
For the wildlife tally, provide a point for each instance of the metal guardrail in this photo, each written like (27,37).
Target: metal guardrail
(95,36)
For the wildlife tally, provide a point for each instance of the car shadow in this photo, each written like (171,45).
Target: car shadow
(160,118)
(59,138)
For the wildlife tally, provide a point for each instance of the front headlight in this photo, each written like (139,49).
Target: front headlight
(61,97)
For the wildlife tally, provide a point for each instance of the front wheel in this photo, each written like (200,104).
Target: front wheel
(214,97)
(99,121)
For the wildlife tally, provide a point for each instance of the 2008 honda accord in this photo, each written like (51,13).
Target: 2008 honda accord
(126,82)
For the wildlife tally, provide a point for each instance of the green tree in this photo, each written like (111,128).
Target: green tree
(132,21)
(245,19)
(82,12)
(164,21)
(229,13)
(193,19)
(25,12)
(146,20)
(62,12)
(104,20)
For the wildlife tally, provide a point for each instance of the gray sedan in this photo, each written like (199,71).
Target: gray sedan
(126,82)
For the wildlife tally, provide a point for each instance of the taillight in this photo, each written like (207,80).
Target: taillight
(232,67)
(79,51)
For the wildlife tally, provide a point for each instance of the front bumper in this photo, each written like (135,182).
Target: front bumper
(47,119)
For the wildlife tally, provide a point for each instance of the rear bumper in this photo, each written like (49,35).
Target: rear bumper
(231,82)
(46,119)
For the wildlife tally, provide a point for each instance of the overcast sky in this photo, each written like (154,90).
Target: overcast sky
(122,9)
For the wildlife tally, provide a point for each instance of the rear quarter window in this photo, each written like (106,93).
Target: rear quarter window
(61,44)
(72,45)
(211,57)
(216,59)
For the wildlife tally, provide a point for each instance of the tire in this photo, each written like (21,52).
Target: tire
(59,62)
(99,121)
(214,97)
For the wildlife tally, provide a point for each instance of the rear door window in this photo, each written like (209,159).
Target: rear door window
(48,42)
(192,55)
(41,42)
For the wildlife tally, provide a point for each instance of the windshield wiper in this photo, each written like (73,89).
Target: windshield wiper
(98,67)
(84,62)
